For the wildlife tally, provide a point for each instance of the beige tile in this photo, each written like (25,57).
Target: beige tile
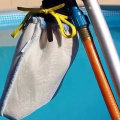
(104,2)
(110,2)
(26,3)
(5,4)
(12,4)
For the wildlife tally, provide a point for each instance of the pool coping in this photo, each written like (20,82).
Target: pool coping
(104,7)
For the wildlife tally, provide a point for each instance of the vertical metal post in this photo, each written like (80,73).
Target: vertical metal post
(82,26)
(105,40)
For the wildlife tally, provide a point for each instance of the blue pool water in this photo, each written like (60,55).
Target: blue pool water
(79,97)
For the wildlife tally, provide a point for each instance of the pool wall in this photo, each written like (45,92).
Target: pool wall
(9,20)
(14,18)
(79,97)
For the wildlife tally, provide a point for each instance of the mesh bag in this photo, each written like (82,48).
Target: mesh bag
(41,60)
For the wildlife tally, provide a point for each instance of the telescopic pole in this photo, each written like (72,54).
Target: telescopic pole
(82,26)
(105,40)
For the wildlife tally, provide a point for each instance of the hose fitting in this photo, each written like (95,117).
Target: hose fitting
(84,33)
(81,23)
(78,18)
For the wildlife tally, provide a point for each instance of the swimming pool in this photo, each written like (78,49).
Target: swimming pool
(79,97)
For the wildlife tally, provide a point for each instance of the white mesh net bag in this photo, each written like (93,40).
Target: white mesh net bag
(41,60)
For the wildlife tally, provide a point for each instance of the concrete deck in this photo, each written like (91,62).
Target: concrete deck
(12,4)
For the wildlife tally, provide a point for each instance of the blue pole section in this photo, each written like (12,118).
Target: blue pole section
(78,18)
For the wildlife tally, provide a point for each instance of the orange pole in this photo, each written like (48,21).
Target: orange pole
(99,74)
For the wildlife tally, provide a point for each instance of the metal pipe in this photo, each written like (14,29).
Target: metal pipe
(105,40)
(99,72)
(82,25)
